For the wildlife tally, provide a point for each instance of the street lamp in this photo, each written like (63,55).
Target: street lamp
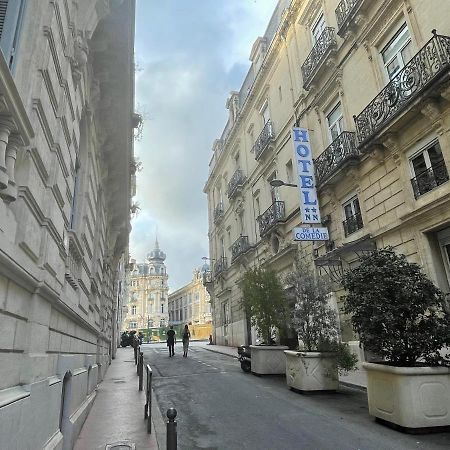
(278,183)
(148,329)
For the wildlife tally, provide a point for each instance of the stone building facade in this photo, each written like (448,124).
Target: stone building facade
(370,81)
(66,159)
(190,304)
(148,293)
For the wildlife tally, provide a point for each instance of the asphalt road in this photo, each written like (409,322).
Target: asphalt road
(222,408)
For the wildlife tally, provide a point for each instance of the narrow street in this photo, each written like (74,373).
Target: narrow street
(220,407)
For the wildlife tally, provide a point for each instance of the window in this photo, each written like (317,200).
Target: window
(335,122)
(352,214)
(397,52)
(318,28)
(11,13)
(289,172)
(265,113)
(273,190)
(428,169)
(76,188)
(162,308)
(133,325)
(133,310)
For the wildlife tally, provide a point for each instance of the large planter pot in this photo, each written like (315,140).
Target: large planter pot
(411,397)
(311,371)
(268,359)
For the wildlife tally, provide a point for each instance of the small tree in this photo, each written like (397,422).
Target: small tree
(312,317)
(397,311)
(263,299)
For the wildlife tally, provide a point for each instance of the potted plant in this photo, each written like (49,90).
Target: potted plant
(320,357)
(264,301)
(400,316)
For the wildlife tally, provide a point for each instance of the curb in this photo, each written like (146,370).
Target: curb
(353,386)
(222,353)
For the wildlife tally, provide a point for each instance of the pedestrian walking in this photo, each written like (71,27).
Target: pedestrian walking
(171,340)
(186,337)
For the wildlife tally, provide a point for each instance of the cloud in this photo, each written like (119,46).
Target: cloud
(190,54)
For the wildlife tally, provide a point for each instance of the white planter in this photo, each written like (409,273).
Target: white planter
(412,397)
(311,371)
(268,359)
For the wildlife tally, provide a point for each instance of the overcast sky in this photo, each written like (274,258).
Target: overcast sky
(190,54)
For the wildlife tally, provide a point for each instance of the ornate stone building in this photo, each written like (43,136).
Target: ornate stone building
(66,162)
(190,304)
(370,81)
(148,293)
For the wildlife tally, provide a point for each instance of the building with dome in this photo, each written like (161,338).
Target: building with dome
(147,306)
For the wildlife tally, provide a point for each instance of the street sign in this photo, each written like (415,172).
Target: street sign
(311,234)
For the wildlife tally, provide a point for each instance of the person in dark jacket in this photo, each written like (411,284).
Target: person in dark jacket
(171,340)
(186,337)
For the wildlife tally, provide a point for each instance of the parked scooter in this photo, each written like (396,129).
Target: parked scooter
(244,358)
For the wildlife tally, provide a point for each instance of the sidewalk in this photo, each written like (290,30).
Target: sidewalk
(355,379)
(118,411)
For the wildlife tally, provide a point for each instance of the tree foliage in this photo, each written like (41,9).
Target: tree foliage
(312,317)
(397,311)
(263,299)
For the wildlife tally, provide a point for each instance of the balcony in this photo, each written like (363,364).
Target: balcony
(345,14)
(220,266)
(425,69)
(240,246)
(429,179)
(341,151)
(353,224)
(218,213)
(264,139)
(269,218)
(235,184)
(324,47)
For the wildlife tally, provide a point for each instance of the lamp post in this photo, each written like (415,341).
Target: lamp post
(278,183)
(148,329)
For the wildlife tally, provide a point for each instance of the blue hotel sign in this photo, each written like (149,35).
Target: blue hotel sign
(309,203)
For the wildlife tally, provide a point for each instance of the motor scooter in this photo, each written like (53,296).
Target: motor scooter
(244,358)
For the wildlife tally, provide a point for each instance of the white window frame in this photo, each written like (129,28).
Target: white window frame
(339,122)
(350,200)
(397,55)
(318,26)
(265,113)
(422,150)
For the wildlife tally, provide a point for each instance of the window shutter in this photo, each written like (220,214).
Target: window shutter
(3,7)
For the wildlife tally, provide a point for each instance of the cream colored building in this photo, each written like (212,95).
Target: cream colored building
(370,81)
(190,304)
(148,293)
(66,157)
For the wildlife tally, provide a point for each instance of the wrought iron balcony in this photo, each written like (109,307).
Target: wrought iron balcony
(236,183)
(240,246)
(353,224)
(431,63)
(323,47)
(345,12)
(218,213)
(341,150)
(220,266)
(270,217)
(263,141)
(429,179)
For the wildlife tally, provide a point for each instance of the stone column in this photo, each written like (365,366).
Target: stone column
(10,193)
(6,126)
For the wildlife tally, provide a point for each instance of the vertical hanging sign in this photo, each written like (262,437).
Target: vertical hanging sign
(309,203)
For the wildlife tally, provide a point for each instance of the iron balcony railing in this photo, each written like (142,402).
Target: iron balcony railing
(220,266)
(236,182)
(429,179)
(344,12)
(263,140)
(353,224)
(429,64)
(335,155)
(270,217)
(240,246)
(218,212)
(323,46)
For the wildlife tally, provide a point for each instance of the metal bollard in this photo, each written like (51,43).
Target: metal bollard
(135,352)
(148,398)
(138,352)
(141,370)
(171,429)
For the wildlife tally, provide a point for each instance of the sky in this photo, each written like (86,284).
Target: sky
(189,55)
